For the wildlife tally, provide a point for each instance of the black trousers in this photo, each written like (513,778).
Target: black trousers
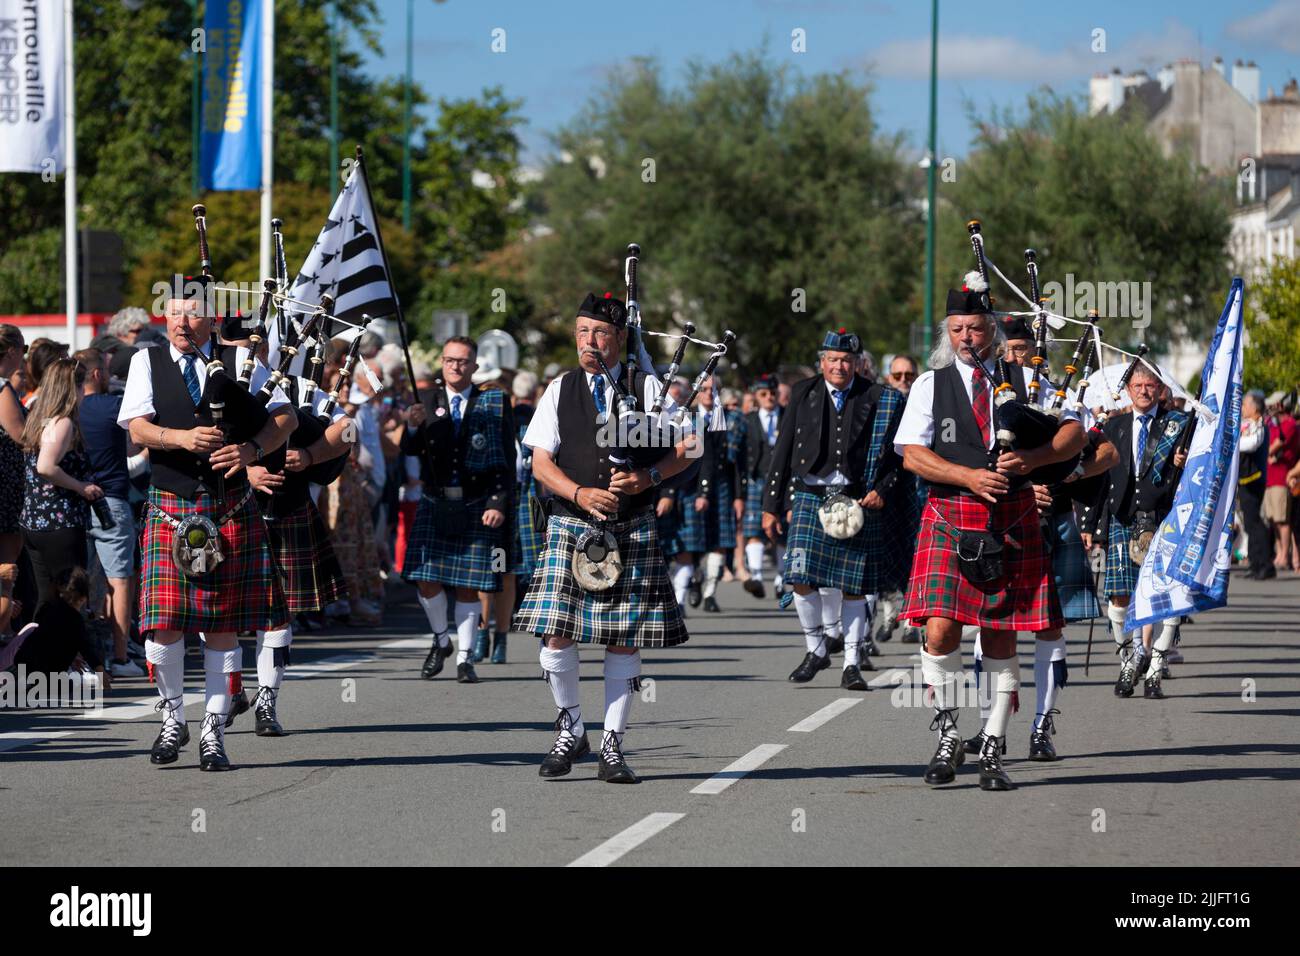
(52,552)
(1259,543)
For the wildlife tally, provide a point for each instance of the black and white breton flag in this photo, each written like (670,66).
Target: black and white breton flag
(346,262)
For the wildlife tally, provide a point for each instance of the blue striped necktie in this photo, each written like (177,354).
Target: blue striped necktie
(191,379)
(455,413)
(771,428)
(1142,438)
(598,393)
(839,400)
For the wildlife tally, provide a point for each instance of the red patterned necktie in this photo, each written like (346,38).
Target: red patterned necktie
(979,402)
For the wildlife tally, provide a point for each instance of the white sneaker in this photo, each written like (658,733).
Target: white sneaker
(127,668)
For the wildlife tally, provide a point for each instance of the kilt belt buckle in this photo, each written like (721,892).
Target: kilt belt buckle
(452,492)
(196,539)
(841,517)
(1144,532)
(597,564)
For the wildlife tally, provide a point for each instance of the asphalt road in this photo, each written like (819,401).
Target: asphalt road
(381,767)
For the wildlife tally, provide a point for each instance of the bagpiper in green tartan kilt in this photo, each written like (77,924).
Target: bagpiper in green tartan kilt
(462,561)
(638,611)
(1121,572)
(814,558)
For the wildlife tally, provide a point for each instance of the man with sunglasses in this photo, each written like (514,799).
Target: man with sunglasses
(464,437)
(902,373)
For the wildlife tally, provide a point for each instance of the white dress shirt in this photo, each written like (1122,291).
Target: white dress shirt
(544,429)
(137,399)
(765,417)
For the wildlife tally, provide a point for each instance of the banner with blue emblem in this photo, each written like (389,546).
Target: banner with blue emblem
(1186,568)
(230,151)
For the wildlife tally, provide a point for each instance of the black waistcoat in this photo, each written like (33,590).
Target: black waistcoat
(181,472)
(580,456)
(960,442)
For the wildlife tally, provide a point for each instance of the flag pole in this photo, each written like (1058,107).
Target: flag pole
(388,272)
(70,173)
(268,86)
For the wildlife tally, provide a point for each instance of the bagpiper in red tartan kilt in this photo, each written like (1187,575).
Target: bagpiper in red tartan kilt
(1025,601)
(243,593)
(309,570)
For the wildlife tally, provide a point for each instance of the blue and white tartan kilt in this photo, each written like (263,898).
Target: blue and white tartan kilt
(638,611)
(752,525)
(1121,572)
(712,529)
(528,542)
(463,561)
(815,558)
(1074,584)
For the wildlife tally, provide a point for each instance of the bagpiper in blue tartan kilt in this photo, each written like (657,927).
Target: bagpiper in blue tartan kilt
(1121,572)
(638,611)
(462,561)
(814,558)
(308,567)
(1074,583)
(752,525)
(528,541)
(712,529)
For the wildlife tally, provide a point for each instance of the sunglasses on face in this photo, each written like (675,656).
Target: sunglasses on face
(903,376)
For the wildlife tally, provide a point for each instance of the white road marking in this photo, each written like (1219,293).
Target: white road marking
(631,838)
(895,675)
(25,738)
(826,714)
(326,664)
(140,708)
(734,771)
(408,643)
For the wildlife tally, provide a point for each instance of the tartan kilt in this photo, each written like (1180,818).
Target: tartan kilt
(815,558)
(528,542)
(462,561)
(1074,584)
(244,593)
(712,529)
(669,530)
(937,588)
(308,567)
(752,525)
(638,611)
(1121,572)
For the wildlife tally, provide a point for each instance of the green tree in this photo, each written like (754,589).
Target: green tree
(764,202)
(1096,198)
(1272,354)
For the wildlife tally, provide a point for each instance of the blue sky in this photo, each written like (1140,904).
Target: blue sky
(991,53)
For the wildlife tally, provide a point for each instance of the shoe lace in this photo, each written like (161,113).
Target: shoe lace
(1047,727)
(210,737)
(565,739)
(264,702)
(172,726)
(991,754)
(944,721)
(611,748)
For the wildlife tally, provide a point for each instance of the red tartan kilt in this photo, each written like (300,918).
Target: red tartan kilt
(243,593)
(1028,602)
(309,570)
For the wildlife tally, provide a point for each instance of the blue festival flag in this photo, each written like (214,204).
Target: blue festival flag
(1186,568)
(231,151)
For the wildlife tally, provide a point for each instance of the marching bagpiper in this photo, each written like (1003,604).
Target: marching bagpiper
(708,510)
(834,457)
(207,563)
(981,559)
(602,578)
(467,464)
(756,436)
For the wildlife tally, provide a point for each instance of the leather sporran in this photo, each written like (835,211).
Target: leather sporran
(597,565)
(196,546)
(1144,532)
(980,556)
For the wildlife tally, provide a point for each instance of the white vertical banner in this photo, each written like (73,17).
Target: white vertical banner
(31,86)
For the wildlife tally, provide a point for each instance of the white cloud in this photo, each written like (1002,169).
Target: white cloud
(1278,26)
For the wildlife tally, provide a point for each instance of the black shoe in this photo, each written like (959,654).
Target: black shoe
(437,656)
(1267,572)
(268,725)
(1151,689)
(566,749)
(835,645)
(974,745)
(238,705)
(1127,676)
(1040,741)
(212,748)
(949,755)
(711,605)
(755,587)
(498,648)
(992,776)
(851,679)
(613,768)
(693,594)
(864,661)
(174,735)
(465,674)
(810,666)
(870,647)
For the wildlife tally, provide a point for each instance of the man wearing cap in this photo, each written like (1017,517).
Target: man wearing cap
(947,438)
(756,439)
(207,565)
(836,441)
(591,497)
(461,538)
(1137,493)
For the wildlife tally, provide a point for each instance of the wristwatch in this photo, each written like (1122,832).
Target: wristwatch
(656,479)
(257,448)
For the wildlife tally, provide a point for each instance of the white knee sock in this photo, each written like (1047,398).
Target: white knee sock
(809,609)
(1049,676)
(272,655)
(167,662)
(220,670)
(682,580)
(1116,615)
(942,673)
(1160,646)
(467,614)
(832,601)
(561,670)
(713,563)
(855,630)
(621,673)
(982,688)
(754,559)
(1004,681)
(435,609)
